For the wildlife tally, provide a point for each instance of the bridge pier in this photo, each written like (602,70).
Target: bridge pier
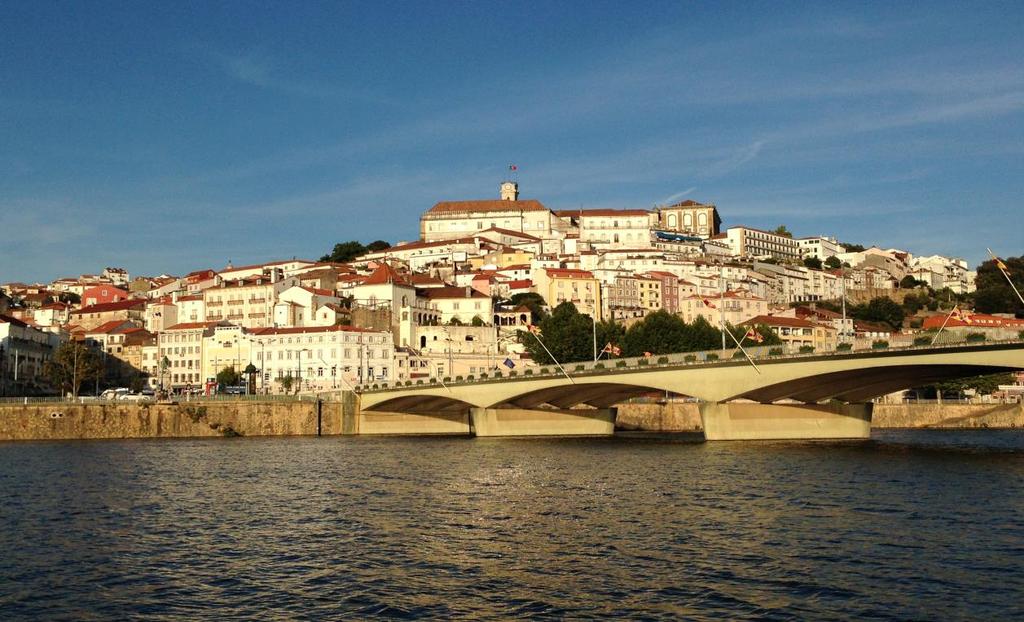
(525,422)
(738,421)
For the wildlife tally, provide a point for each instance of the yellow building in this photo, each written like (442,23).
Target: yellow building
(690,217)
(579,287)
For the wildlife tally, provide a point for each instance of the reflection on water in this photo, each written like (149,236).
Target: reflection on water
(911,525)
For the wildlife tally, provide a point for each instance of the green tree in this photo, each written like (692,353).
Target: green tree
(882,309)
(377,245)
(812,262)
(532,301)
(72,364)
(610,332)
(783,231)
(566,333)
(994,294)
(909,282)
(852,248)
(477,321)
(286,381)
(833,263)
(658,333)
(345,251)
(768,336)
(228,377)
(983,385)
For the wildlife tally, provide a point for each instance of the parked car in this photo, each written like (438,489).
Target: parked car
(114,394)
(134,397)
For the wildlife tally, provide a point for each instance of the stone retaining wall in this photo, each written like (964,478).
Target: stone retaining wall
(685,417)
(190,419)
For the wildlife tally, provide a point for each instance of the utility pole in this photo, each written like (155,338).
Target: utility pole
(721,301)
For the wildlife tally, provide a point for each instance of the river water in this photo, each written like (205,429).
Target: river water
(911,525)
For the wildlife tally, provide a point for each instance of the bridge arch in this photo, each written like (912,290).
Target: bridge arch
(863,383)
(596,394)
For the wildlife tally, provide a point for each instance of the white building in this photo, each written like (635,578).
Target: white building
(749,242)
(459,219)
(820,247)
(322,358)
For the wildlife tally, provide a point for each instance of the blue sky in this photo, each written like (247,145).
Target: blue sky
(167,137)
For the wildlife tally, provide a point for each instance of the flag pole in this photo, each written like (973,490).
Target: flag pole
(999,265)
(416,354)
(944,322)
(744,351)
(562,369)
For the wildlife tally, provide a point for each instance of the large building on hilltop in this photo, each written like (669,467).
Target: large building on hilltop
(449,220)
(691,218)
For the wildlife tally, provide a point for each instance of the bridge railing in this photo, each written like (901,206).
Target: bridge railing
(680,359)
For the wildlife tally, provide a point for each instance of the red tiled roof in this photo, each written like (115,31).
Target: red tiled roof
(452,292)
(106,307)
(773,320)
(312,329)
(113,326)
(977,320)
(385,274)
(318,291)
(602,212)
(192,325)
(520,284)
(569,273)
(496,205)
(415,245)
(6,319)
(518,234)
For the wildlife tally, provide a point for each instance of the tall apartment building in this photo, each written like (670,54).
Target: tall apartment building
(247,301)
(749,242)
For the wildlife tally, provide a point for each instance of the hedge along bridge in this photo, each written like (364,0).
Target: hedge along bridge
(825,396)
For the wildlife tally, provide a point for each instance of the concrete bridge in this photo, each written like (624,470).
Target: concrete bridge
(822,396)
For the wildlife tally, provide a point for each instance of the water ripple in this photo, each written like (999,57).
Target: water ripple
(912,525)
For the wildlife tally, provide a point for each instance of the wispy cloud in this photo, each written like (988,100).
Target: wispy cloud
(727,165)
(264,71)
(678,195)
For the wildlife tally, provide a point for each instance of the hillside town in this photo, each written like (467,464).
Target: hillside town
(454,302)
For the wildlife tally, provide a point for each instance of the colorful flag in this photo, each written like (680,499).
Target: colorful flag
(961,316)
(1001,265)
(509,363)
(533,328)
(753,335)
(707,303)
(611,348)
(513,167)
(616,350)
(647,355)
